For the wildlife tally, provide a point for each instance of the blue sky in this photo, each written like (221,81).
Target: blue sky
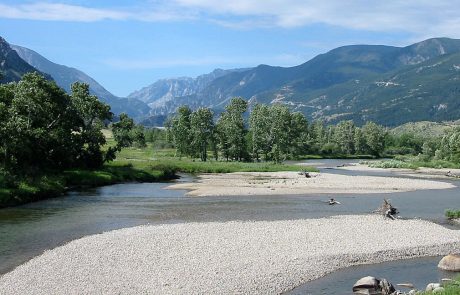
(126,45)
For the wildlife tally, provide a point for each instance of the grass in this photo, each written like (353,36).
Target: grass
(452,288)
(452,214)
(335,156)
(411,162)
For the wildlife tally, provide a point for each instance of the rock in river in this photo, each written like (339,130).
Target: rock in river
(450,262)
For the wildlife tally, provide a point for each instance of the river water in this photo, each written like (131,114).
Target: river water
(26,231)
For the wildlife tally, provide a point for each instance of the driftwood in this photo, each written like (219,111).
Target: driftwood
(387,210)
(305,173)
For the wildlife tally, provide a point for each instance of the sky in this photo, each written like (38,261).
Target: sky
(127,45)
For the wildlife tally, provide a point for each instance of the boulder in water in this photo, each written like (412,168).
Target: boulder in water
(450,263)
(372,286)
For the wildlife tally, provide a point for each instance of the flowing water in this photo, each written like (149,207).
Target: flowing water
(26,231)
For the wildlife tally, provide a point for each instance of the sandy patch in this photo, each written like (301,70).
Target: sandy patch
(263,257)
(276,183)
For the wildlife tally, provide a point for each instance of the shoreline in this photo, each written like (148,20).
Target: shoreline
(258,257)
(292,183)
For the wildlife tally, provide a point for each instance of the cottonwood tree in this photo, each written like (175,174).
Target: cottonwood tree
(179,131)
(92,113)
(449,148)
(279,138)
(38,127)
(202,132)
(375,138)
(344,137)
(231,130)
(259,124)
(300,139)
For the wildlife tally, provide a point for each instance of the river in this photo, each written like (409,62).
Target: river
(26,231)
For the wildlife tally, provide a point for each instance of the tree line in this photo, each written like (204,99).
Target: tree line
(43,128)
(270,133)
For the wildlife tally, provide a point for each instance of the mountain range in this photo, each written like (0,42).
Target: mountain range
(387,84)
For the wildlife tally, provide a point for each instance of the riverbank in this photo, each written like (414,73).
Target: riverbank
(131,165)
(279,183)
(54,184)
(263,257)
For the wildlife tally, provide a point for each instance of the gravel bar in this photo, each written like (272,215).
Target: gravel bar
(277,183)
(237,257)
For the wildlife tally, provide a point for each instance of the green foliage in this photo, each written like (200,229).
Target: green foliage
(450,288)
(91,113)
(123,131)
(126,133)
(39,126)
(452,214)
(202,132)
(178,129)
(375,138)
(231,131)
(277,134)
(344,136)
(449,148)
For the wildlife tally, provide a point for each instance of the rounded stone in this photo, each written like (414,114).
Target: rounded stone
(450,263)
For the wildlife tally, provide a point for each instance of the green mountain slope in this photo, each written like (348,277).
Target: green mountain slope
(426,91)
(340,84)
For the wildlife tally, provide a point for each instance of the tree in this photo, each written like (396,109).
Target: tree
(202,131)
(360,142)
(279,139)
(449,148)
(93,114)
(39,127)
(123,131)
(375,138)
(300,139)
(179,130)
(231,130)
(344,136)
(317,135)
(259,124)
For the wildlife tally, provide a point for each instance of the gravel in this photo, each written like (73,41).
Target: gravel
(277,183)
(238,257)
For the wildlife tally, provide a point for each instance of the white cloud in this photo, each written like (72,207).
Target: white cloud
(65,12)
(419,17)
(422,17)
(59,12)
